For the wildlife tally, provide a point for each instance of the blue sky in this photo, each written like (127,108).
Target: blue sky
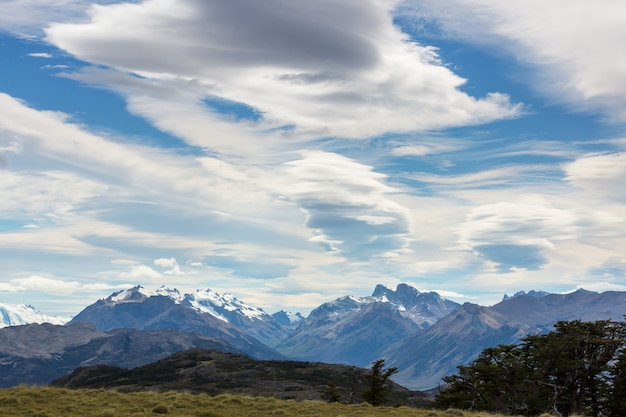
(292,152)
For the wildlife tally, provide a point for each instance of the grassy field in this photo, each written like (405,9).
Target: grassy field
(55,402)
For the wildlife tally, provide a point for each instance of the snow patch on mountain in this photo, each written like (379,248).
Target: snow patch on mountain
(287,318)
(20,314)
(135,294)
(218,305)
(172,293)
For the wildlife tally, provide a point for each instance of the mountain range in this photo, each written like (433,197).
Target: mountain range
(421,333)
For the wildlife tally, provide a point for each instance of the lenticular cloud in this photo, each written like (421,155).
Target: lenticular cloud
(323,68)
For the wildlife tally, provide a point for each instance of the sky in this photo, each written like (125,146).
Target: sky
(292,152)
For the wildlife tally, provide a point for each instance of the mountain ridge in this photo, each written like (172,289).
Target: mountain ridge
(422,334)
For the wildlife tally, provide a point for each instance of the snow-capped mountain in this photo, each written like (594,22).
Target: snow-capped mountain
(247,328)
(224,307)
(354,330)
(288,319)
(424,308)
(19,314)
(252,320)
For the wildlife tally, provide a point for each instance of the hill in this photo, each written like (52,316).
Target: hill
(214,372)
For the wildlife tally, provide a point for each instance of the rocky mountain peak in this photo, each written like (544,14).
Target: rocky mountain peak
(286,318)
(531,293)
(172,293)
(136,294)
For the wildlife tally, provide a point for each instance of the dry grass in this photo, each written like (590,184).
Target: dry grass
(55,402)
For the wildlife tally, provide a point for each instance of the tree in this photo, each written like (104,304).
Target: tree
(564,372)
(378,383)
(617,402)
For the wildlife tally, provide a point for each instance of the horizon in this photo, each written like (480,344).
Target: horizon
(290,152)
(153,292)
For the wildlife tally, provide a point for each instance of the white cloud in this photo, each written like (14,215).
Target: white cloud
(602,287)
(349,207)
(517,234)
(36,283)
(171,265)
(141,272)
(501,176)
(601,175)
(30,16)
(325,68)
(40,55)
(575,45)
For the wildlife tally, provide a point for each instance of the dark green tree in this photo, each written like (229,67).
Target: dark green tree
(617,402)
(377,389)
(572,370)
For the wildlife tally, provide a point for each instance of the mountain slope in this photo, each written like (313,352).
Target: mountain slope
(355,330)
(19,314)
(356,338)
(251,320)
(137,309)
(430,354)
(38,353)
(212,372)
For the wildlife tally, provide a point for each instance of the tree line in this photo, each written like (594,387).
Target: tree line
(579,368)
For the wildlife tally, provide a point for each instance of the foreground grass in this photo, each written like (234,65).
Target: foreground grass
(55,402)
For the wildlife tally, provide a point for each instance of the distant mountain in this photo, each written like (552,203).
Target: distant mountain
(212,372)
(38,353)
(355,330)
(430,354)
(165,309)
(531,293)
(19,314)
(251,320)
(288,319)
(424,308)
(422,334)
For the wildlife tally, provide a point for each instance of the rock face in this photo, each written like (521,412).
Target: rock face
(214,372)
(35,354)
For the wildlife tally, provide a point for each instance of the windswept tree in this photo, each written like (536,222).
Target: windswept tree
(575,369)
(377,389)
